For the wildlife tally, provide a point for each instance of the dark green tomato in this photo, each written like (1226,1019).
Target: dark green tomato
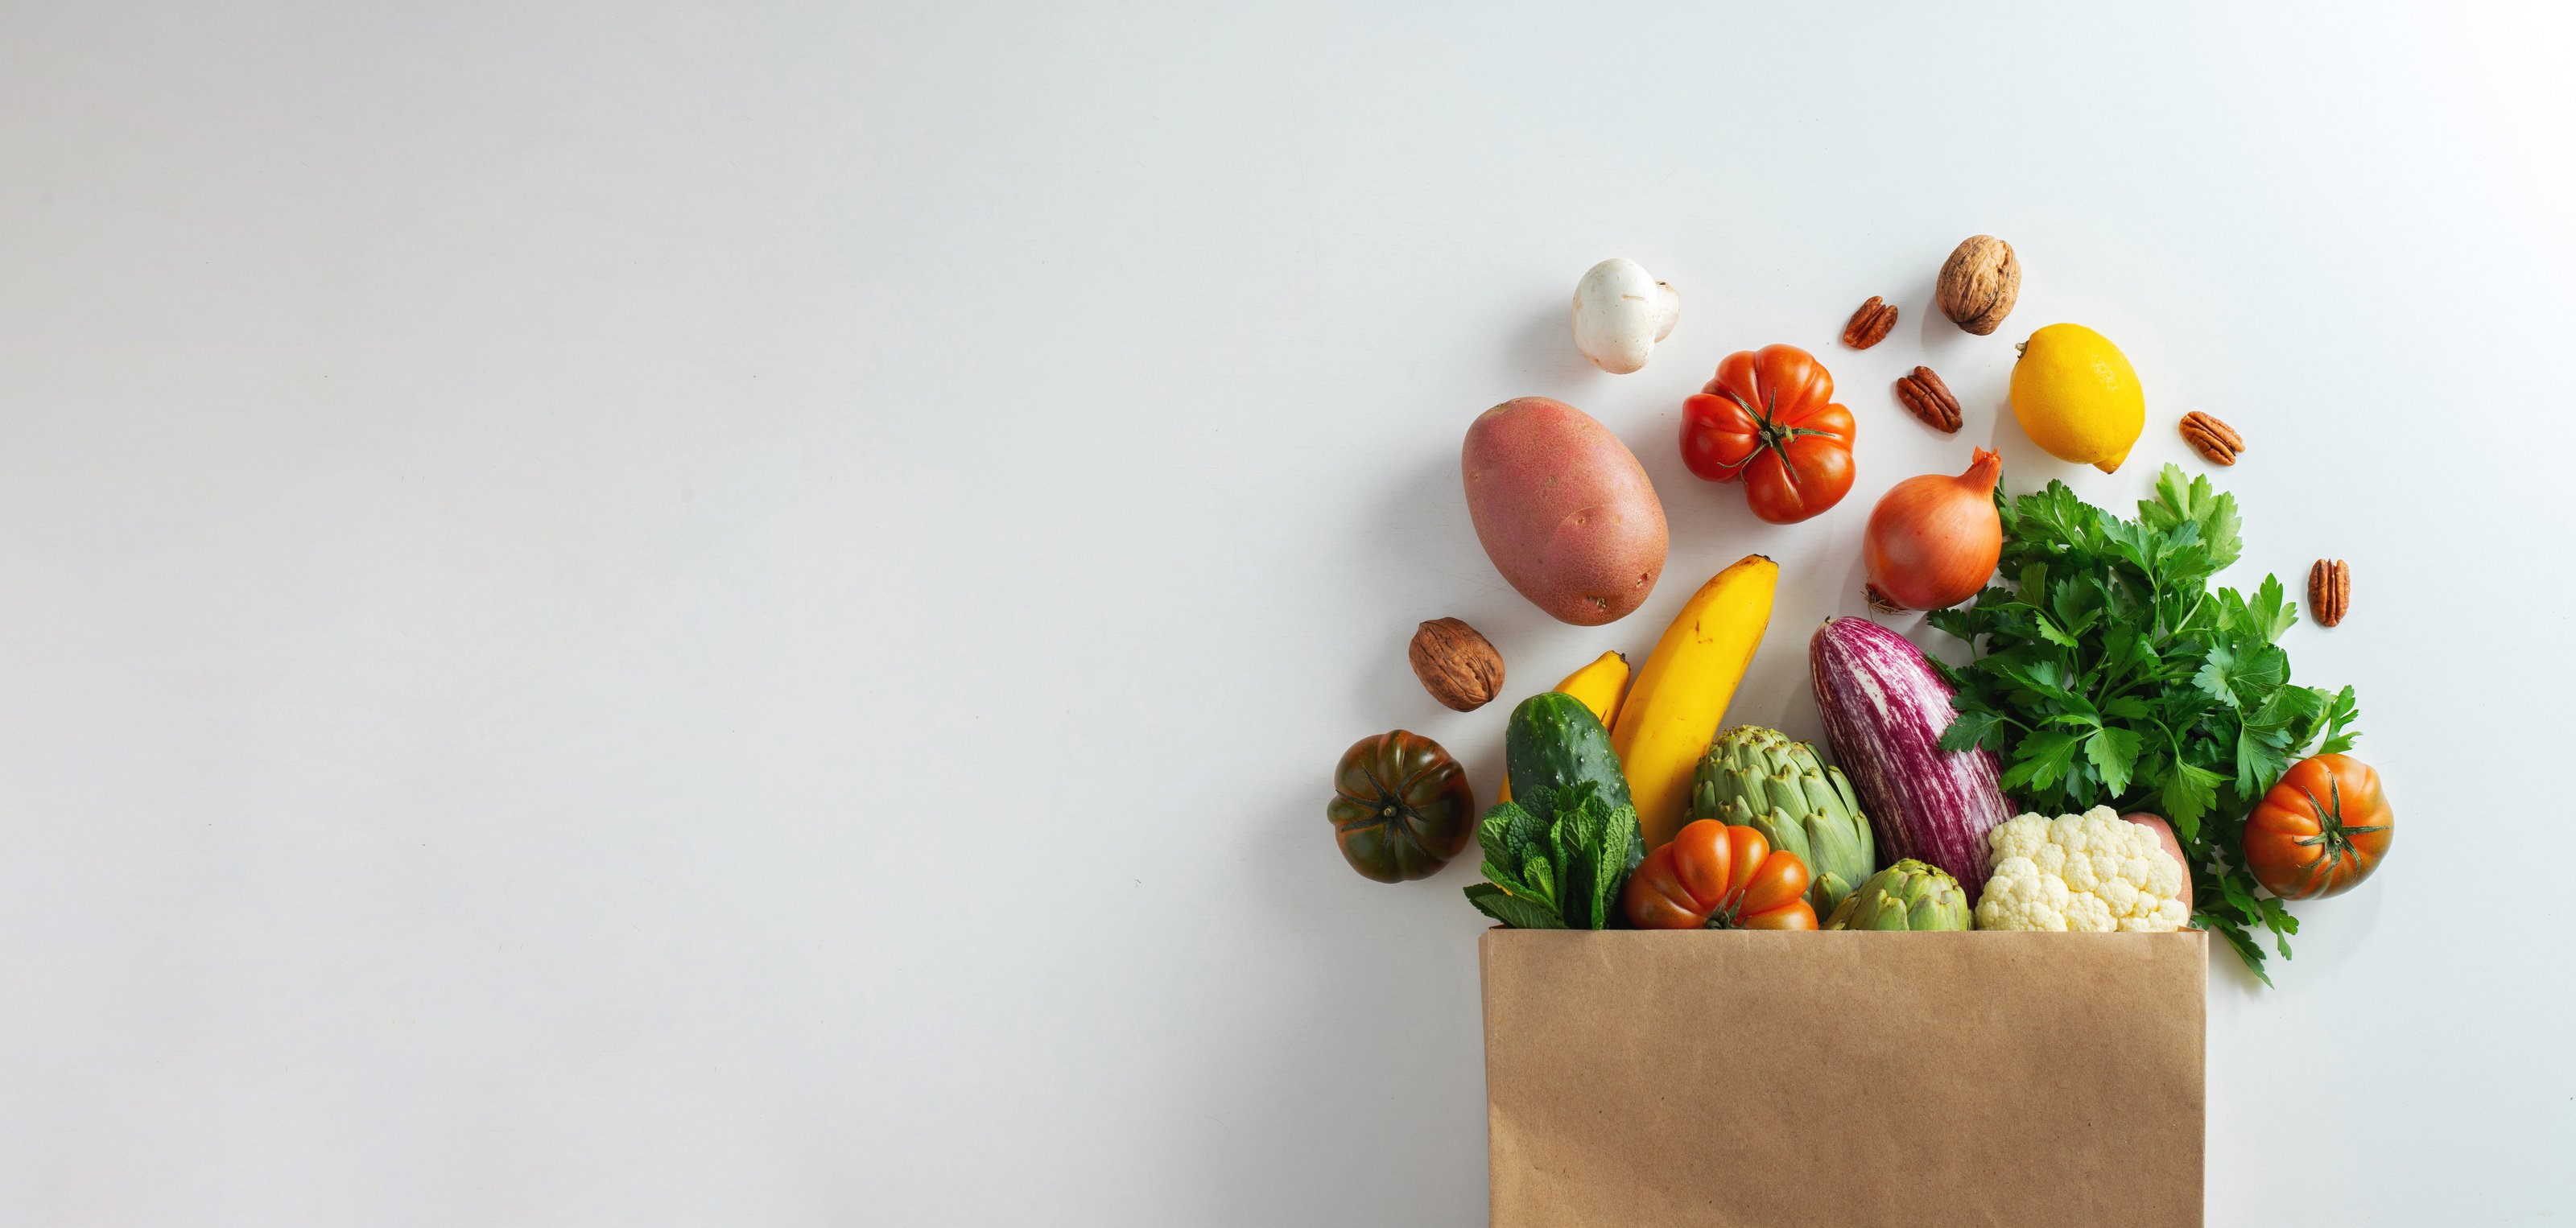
(1401,807)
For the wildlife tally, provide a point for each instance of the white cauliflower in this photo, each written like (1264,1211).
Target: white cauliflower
(2093,871)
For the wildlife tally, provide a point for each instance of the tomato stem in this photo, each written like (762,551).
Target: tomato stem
(1767,431)
(2332,833)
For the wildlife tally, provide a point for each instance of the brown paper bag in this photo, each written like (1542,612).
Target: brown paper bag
(1767,1079)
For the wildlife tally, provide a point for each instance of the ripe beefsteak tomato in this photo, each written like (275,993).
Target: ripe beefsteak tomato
(1768,418)
(1401,807)
(2320,831)
(1719,877)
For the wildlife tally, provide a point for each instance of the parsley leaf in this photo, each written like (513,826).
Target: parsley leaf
(2042,759)
(2217,675)
(2113,752)
(1970,729)
(2109,672)
(2339,717)
(2198,504)
(2185,793)
(2258,763)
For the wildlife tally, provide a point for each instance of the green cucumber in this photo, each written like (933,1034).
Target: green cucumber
(1553,742)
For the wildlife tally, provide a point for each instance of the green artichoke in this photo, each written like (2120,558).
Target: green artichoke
(1762,779)
(1909,895)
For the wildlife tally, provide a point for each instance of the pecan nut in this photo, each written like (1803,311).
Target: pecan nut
(1926,397)
(2330,591)
(2214,440)
(1870,324)
(1456,663)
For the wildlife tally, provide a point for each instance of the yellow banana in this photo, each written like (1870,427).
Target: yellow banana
(1600,686)
(1680,697)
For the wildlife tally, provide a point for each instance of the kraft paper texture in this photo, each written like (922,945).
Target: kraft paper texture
(1769,1079)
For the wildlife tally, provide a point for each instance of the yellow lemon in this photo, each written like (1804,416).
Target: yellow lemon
(2077,397)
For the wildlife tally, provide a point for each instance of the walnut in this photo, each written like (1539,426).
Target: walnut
(1456,663)
(1978,284)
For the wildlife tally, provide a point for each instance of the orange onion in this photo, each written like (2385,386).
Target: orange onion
(1933,540)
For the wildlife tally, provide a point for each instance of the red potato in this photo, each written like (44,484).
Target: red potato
(2173,847)
(1564,510)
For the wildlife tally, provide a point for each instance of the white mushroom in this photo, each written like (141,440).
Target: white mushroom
(1620,312)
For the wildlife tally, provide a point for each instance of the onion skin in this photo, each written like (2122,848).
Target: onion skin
(1933,541)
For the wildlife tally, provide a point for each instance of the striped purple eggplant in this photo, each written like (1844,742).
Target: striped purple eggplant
(1884,711)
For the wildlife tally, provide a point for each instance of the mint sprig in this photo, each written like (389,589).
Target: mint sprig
(1556,859)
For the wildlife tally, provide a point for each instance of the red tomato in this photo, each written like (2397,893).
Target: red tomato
(1713,875)
(1768,418)
(2320,831)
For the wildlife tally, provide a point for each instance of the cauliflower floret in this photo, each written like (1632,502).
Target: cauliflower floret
(2093,872)
(2020,897)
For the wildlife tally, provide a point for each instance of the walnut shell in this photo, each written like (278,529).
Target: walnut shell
(1457,664)
(1979,282)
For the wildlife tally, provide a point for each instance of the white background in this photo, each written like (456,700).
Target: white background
(625,615)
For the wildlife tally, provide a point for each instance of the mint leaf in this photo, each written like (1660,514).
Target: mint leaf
(1540,801)
(1564,874)
(1506,833)
(1511,910)
(1567,840)
(1523,863)
(1540,877)
(1610,862)
(1562,849)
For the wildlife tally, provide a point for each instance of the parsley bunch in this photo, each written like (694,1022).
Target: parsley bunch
(2109,674)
